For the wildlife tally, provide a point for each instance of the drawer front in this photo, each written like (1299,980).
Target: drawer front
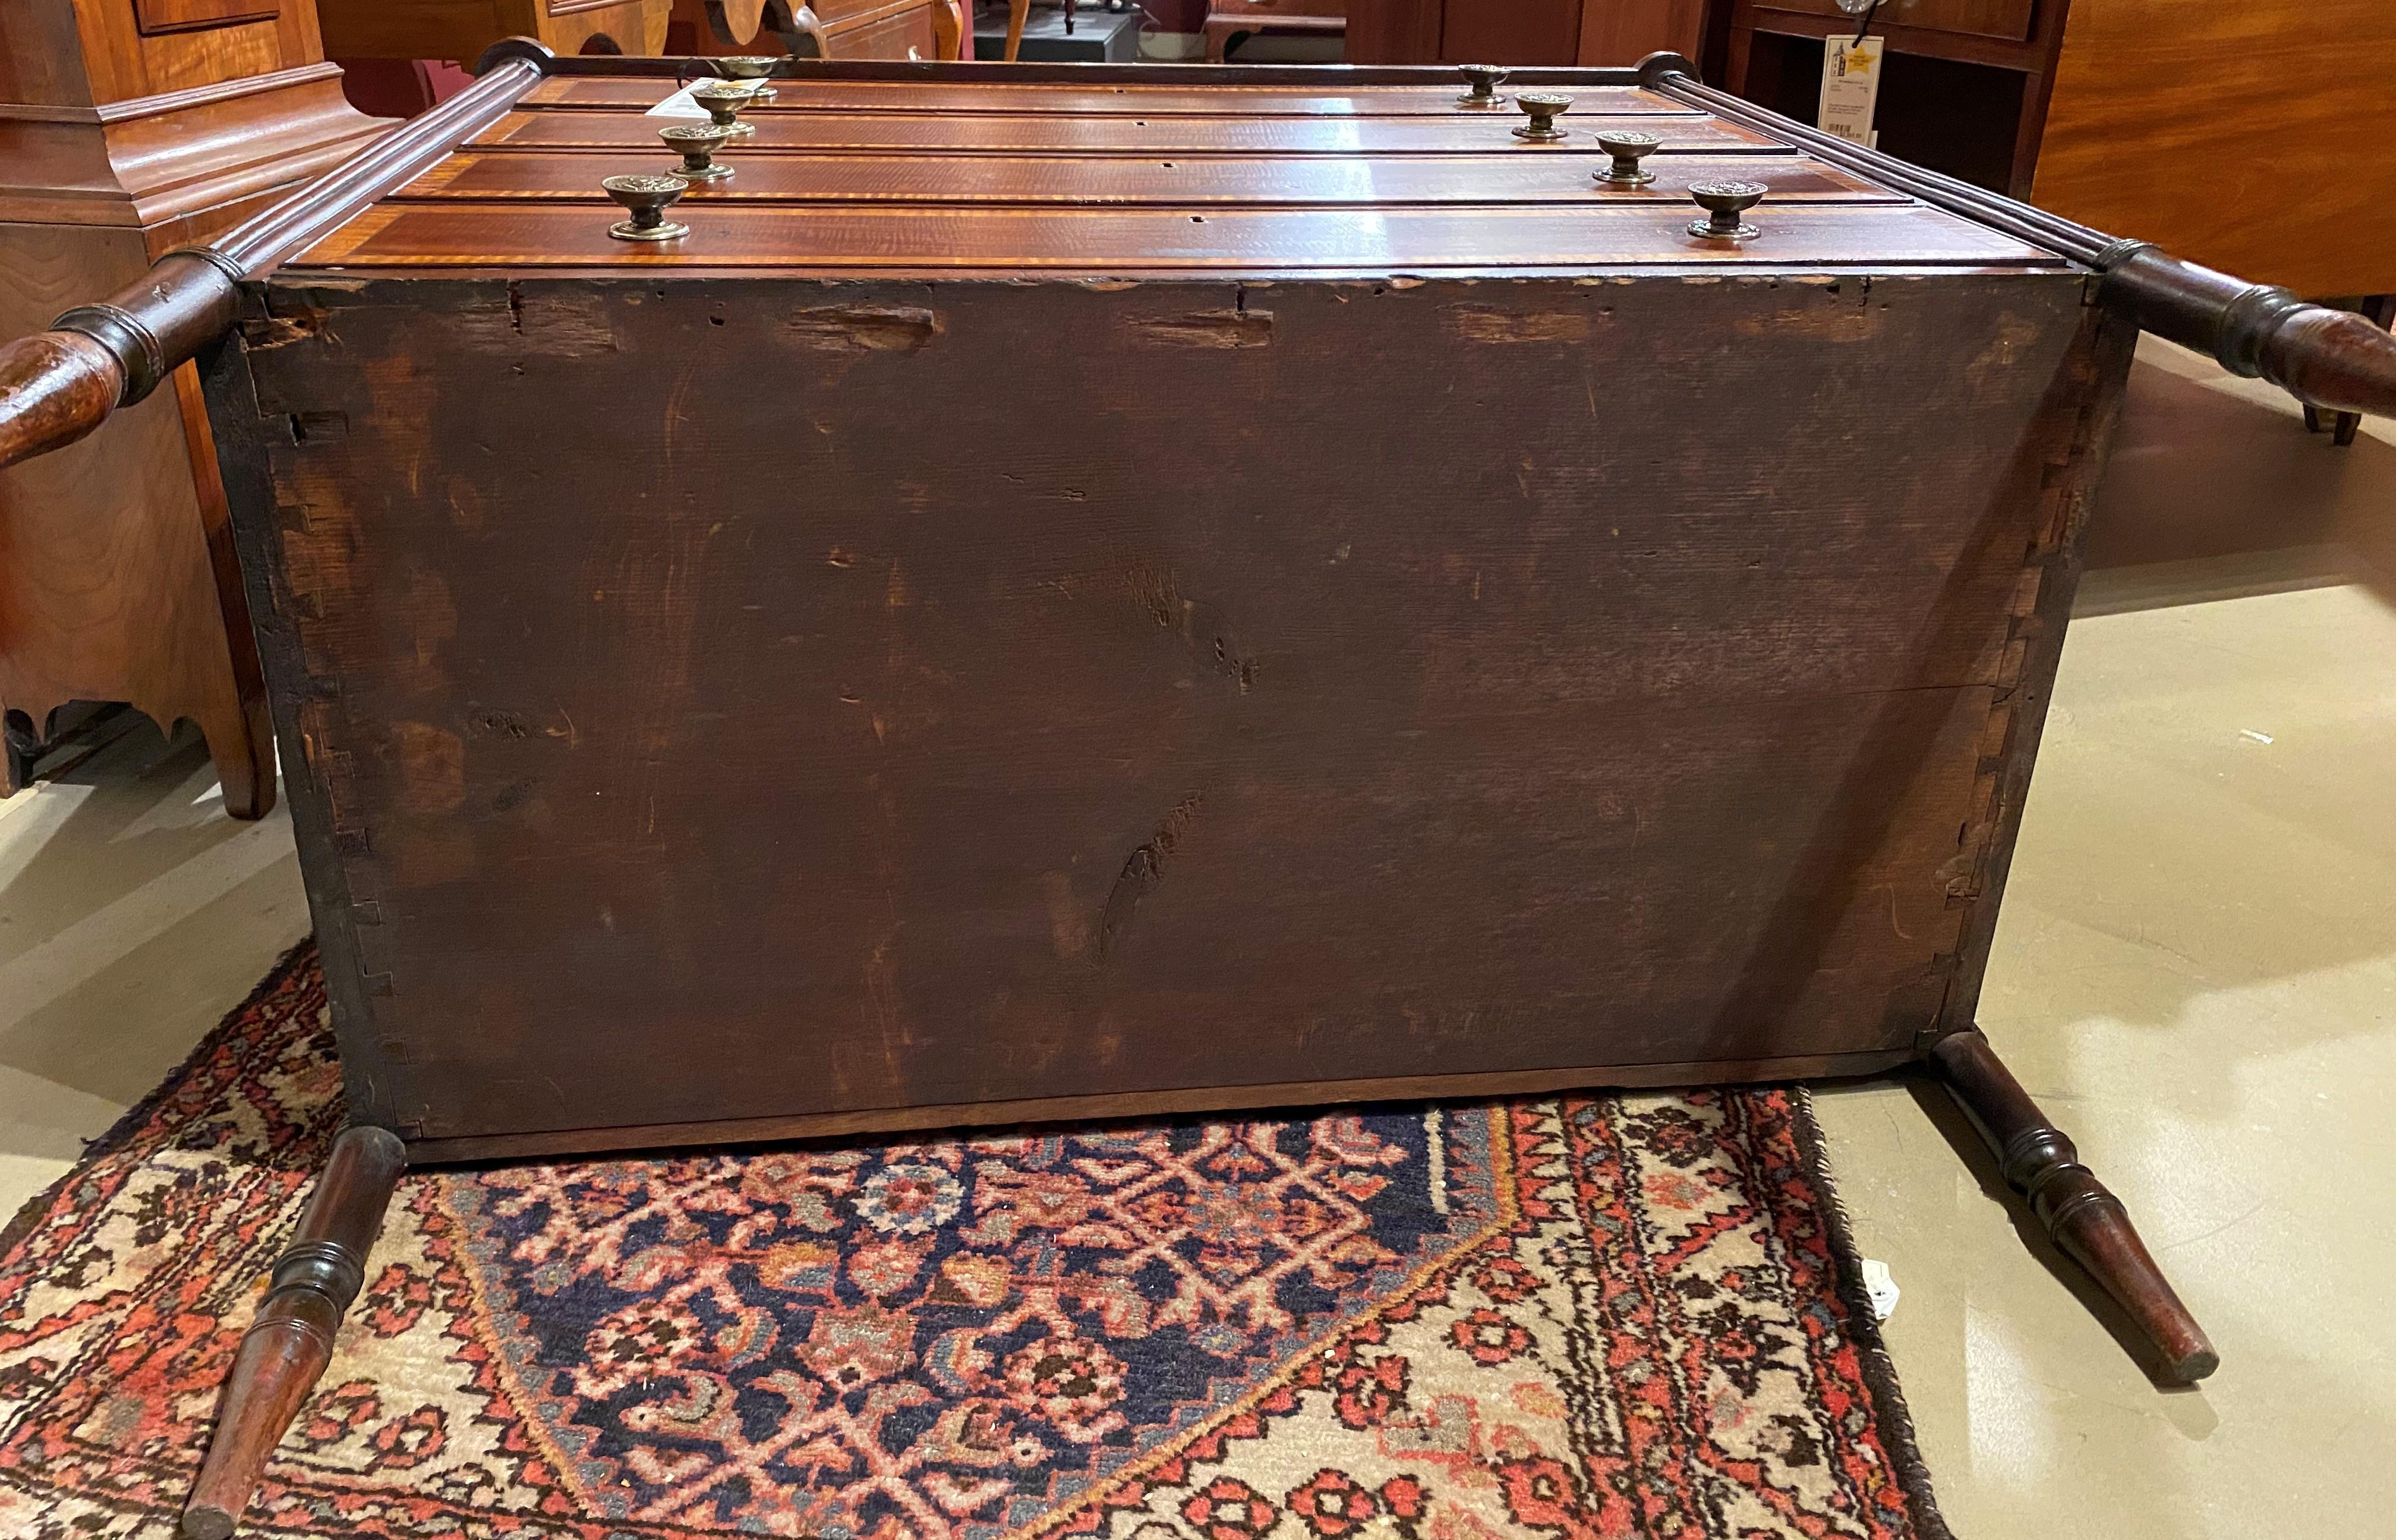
(2010,20)
(155,16)
(834,14)
(900,35)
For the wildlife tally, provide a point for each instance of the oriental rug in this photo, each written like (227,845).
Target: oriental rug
(1562,1317)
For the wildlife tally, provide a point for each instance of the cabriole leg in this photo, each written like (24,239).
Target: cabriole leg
(289,1343)
(2087,1222)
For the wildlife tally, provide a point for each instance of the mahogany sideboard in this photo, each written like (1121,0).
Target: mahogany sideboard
(2140,115)
(127,128)
(824,29)
(462,29)
(1527,32)
(1528,702)
(1228,21)
(2148,93)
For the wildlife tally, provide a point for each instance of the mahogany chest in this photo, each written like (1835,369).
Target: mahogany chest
(1539,632)
(1527,644)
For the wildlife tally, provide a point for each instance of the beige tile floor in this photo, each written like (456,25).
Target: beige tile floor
(2196,972)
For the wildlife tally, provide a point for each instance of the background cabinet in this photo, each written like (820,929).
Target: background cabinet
(129,127)
(461,30)
(2260,137)
(1524,31)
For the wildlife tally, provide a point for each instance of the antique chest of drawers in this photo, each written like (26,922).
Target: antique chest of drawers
(1575,608)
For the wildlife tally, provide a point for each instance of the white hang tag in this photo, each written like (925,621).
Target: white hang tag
(1850,88)
(679,105)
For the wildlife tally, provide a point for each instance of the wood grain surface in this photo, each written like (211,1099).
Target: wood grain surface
(1075,134)
(1529,646)
(947,99)
(877,176)
(2130,147)
(109,588)
(462,29)
(865,238)
(1384,180)
(1535,683)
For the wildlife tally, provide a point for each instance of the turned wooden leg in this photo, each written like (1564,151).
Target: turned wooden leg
(2087,1222)
(18,748)
(242,747)
(948,30)
(1018,13)
(2380,310)
(289,1343)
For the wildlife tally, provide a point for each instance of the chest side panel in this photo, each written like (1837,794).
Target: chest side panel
(1286,683)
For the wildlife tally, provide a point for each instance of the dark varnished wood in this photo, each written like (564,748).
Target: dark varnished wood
(1493,32)
(1113,756)
(2087,1222)
(462,29)
(968,1115)
(865,237)
(1383,180)
(290,1341)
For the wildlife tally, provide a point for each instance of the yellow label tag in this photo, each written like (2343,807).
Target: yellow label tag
(1850,87)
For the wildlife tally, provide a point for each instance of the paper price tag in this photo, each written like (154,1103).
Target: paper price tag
(679,105)
(1850,88)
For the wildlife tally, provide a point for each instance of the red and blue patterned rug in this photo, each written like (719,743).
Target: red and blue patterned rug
(1565,1318)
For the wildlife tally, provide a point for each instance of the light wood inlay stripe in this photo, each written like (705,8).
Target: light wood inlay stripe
(866,238)
(1387,181)
(950,99)
(1025,132)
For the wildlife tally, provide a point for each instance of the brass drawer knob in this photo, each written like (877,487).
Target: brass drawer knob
(697,144)
(646,199)
(725,100)
(753,67)
(1483,78)
(1724,202)
(1628,147)
(1545,107)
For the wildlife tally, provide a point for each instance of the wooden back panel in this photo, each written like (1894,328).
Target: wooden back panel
(1368,637)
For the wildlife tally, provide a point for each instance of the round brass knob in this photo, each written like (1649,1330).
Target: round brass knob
(1724,202)
(1483,78)
(1628,147)
(646,199)
(756,67)
(725,100)
(1545,107)
(697,143)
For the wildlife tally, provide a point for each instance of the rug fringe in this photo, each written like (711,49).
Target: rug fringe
(1880,1371)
